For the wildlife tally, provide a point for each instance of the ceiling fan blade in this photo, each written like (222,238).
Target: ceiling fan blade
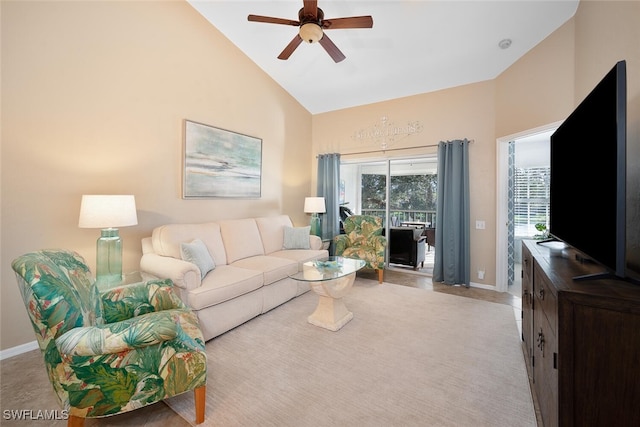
(331,49)
(351,22)
(270,20)
(293,44)
(310,8)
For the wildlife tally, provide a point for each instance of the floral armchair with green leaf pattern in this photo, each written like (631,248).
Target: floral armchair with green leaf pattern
(111,353)
(363,240)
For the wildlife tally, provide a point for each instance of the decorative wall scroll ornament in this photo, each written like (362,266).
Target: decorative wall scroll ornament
(386,132)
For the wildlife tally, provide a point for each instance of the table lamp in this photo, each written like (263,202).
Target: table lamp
(108,212)
(314,206)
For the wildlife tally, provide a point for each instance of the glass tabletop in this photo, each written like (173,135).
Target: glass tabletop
(329,268)
(127,279)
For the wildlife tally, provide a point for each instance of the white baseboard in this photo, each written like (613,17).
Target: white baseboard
(14,351)
(483,286)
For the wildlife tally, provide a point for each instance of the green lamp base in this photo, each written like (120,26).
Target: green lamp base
(316,225)
(109,257)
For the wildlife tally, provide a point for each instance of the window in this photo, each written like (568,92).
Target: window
(412,188)
(531,201)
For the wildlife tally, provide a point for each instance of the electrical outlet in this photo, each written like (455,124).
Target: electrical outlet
(480,225)
(481,274)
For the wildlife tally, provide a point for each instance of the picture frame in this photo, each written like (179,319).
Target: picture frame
(220,163)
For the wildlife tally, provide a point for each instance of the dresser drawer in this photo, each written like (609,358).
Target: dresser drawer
(527,264)
(545,297)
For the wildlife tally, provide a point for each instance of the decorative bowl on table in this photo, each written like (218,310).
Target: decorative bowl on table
(328,265)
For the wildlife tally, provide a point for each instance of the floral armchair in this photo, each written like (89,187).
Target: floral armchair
(106,354)
(363,239)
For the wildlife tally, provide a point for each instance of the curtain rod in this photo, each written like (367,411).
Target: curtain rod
(471,141)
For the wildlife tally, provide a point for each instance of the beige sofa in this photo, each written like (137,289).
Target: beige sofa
(251,273)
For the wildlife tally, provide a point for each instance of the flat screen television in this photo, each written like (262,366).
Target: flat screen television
(588,176)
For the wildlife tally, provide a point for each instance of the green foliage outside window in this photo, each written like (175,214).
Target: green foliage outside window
(407,192)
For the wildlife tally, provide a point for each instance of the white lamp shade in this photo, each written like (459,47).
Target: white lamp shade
(314,205)
(107,211)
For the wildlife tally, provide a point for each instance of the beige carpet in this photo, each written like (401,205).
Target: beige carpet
(410,357)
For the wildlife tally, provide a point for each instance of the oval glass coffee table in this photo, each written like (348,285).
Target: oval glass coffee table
(331,278)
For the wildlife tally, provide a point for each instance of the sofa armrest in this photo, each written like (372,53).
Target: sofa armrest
(147,245)
(315,242)
(183,274)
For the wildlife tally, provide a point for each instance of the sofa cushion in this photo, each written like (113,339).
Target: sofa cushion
(273,268)
(296,237)
(197,253)
(222,284)
(241,239)
(166,239)
(300,256)
(272,231)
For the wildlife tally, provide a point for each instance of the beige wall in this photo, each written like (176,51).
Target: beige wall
(93,99)
(538,88)
(94,94)
(462,112)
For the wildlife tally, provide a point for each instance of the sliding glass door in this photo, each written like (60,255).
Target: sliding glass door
(400,191)
(363,188)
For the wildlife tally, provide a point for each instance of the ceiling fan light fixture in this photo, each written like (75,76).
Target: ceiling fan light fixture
(310,32)
(311,25)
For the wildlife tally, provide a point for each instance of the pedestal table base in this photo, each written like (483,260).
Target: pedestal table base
(331,313)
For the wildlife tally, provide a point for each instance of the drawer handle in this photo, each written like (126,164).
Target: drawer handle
(540,341)
(541,293)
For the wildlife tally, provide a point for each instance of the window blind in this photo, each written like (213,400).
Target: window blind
(531,201)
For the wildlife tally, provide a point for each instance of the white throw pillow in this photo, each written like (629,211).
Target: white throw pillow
(197,253)
(296,237)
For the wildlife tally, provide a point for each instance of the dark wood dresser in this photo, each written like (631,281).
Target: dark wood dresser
(581,340)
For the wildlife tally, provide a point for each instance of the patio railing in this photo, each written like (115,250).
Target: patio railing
(399,216)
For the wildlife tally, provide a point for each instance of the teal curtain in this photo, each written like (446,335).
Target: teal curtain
(451,263)
(329,188)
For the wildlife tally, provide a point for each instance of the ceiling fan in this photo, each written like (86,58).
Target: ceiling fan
(312,25)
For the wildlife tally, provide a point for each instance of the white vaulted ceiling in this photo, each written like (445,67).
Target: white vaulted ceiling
(414,47)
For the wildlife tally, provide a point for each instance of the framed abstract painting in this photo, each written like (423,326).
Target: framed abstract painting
(220,163)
